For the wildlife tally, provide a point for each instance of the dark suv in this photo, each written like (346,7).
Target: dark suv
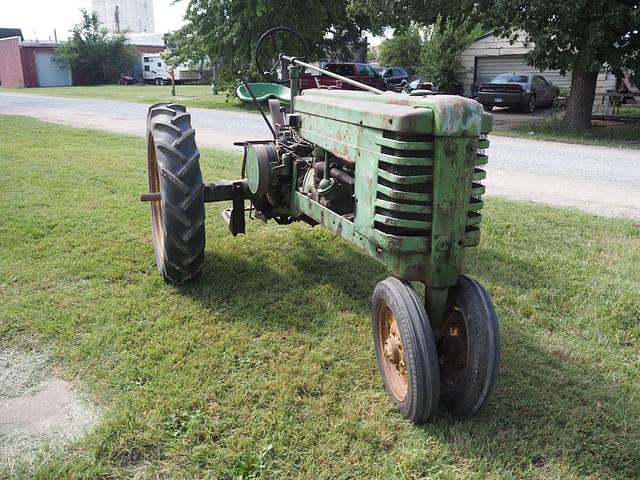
(360,72)
(396,78)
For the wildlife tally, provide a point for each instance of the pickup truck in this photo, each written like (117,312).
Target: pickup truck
(360,72)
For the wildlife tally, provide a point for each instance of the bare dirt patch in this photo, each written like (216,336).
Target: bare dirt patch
(507,118)
(38,411)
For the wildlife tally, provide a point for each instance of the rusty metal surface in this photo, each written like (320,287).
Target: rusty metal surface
(150,197)
(394,366)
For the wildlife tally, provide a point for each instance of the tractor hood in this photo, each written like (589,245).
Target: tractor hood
(440,115)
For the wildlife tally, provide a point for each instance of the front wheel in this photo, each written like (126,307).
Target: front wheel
(177,219)
(469,349)
(405,349)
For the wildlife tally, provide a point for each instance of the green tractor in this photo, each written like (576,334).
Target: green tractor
(396,175)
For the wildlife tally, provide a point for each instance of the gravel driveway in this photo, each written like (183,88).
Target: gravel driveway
(599,180)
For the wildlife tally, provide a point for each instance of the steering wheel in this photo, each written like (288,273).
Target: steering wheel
(271,46)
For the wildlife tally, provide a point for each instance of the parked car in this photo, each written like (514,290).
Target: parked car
(360,72)
(518,90)
(418,84)
(396,78)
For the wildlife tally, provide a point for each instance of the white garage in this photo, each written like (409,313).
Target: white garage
(487,68)
(50,73)
(489,56)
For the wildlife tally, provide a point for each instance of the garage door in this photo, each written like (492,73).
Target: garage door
(488,67)
(51,74)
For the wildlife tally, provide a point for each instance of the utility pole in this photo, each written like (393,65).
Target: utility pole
(117,18)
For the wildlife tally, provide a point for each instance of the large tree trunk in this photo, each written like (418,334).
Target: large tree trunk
(583,90)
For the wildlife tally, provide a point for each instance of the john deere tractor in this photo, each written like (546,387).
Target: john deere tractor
(398,176)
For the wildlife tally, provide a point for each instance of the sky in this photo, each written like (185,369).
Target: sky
(38,18)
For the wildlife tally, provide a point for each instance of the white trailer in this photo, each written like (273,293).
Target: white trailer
(154,70)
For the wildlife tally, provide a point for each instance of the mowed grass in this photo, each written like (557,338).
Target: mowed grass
(611,134)
(190,95)
(265,367)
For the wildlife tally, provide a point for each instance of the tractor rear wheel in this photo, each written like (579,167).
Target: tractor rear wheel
(405,349)
(177,219)
(469,349)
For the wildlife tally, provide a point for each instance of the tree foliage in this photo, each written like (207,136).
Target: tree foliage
(94,55)
(580,36)
(403,49)
(227,30)
(445,41)
(402,13)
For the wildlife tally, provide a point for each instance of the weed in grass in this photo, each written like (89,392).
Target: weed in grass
(265,367)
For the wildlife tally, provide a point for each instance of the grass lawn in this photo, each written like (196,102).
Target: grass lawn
(190,95)
(629,110)
(265,367)
(625,135)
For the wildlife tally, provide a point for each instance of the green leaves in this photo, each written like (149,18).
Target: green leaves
(440,60)
(227,30)
(95,55)
(403,49)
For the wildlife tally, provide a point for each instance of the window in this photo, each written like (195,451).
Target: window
(146,68)
(366,70)
(159,64)
(146,59)
(510,78)
(344,69)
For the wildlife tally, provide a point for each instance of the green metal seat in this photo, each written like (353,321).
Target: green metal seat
(264,91)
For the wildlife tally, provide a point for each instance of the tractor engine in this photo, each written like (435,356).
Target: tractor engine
(321,176)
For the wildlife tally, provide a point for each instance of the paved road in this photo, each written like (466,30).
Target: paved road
(599,180)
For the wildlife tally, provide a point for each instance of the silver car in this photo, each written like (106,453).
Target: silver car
(518,90)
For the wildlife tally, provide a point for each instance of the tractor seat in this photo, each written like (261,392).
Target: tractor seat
(263,92)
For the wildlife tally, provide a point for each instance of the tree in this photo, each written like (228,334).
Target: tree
(440,60)
(227,30)
(94,55)
(581,36)
(403,49)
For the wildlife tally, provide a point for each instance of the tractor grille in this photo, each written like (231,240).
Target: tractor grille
(404,195)
(407,137)
(474,218)
(405,185)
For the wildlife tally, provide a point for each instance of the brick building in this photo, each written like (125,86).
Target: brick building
(30,64)
(26,63)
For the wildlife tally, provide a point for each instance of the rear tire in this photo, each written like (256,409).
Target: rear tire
(405,349)
(469,349)
(531,104)
(177,220)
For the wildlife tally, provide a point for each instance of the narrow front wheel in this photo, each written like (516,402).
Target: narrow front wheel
(405,349)
(469,349)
